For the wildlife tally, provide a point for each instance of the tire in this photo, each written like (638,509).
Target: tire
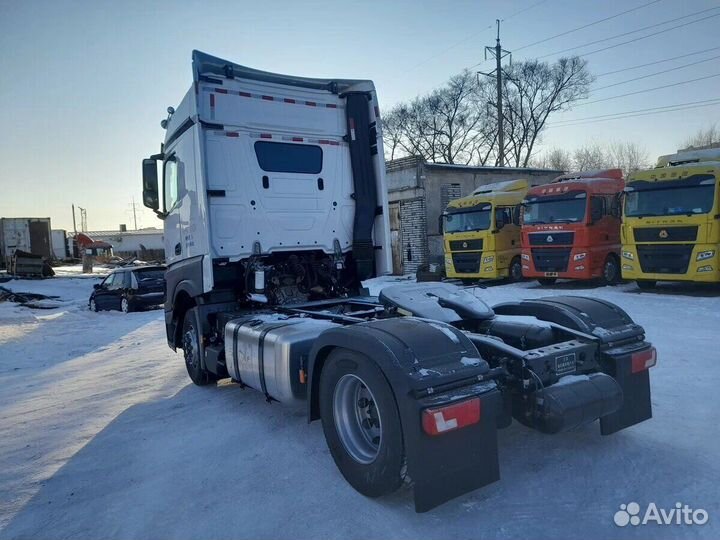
(371,458)
(547,280)
(92,306)
(191,351)
(611,271)
(515,273)
(647,284)
(126,305)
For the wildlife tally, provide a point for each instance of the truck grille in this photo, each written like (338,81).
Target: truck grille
(466,263)
(551,259)
(466,245)
(667,259)
(666,234)
(551,238)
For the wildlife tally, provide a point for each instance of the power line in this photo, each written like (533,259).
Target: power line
(474,35)
(656,62)
(656,73)
(624,113)
(631,40)
(587,25)
(649,113)
(650,89)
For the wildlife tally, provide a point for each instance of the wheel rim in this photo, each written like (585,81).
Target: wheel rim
(516,271)
(190,347)
(610,271)
(92,305)
(357,419)
(124,305)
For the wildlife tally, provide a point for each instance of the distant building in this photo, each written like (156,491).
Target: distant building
(418,192)
(145,244)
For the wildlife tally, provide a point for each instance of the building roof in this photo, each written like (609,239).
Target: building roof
(139,232)
(415,161)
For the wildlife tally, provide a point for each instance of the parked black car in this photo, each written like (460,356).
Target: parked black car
(130,289)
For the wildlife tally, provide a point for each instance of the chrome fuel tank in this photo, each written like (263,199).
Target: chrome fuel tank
(267,353)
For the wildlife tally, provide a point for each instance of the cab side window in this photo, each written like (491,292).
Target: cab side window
(598,208)
(503,216)
(516,214)
(170,183)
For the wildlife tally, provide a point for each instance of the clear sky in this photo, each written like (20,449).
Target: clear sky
(84,85)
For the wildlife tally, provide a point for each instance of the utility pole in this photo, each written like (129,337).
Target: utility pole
(83,219)
(74,224)
(134,213)
(499,53)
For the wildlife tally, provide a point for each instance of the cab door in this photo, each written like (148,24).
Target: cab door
(507,237)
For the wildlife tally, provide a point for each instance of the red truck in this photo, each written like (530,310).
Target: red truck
(571,228)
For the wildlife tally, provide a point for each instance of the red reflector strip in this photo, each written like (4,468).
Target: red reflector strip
(644,360)
(331,143)
(297,139)
(267,98)
(437,421)
(331,106)
(232,134)
(245,94)
(289,100)
(212,100)
(221,91)
(310,103)
(265,136)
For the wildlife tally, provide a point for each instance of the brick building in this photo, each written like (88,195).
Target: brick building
(418,192)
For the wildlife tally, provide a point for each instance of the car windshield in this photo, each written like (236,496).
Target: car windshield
(470,220)
(569,208)
(153,274)
(692,195)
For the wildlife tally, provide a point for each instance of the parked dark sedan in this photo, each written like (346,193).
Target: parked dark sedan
(130,289)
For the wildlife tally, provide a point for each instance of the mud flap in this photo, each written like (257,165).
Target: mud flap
(447,466)
(636,405)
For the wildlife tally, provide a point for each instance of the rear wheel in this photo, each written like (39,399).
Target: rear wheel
(515,270)
(191,351)
(611,271)
(547,280)
(361,423)
(125,305)
(647,284)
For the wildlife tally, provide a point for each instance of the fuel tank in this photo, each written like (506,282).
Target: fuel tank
(268,354)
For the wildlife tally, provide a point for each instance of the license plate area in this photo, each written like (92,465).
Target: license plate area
(551,274)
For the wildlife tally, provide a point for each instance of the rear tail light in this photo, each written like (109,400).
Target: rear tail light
(644,360)
(439,420)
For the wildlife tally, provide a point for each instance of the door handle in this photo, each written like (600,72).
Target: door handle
(178,249)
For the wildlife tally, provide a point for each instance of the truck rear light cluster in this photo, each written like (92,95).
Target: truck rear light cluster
(644,360)
(439,420)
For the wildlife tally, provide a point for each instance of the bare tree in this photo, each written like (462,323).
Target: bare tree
(703,137)
(533,91)
(589,157)
(628,156)
(558,159)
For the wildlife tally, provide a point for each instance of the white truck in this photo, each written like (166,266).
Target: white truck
(274,205)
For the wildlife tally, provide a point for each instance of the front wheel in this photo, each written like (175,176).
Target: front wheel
(93,305)
(515,270)
(647,284)
(125,305)
(361,423)
(611,271)
(191,351)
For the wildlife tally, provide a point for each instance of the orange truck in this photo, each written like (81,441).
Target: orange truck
(571,228)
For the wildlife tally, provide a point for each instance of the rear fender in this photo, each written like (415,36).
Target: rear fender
(427,364)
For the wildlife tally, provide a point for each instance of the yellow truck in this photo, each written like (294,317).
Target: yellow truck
(481,233)
(671,220)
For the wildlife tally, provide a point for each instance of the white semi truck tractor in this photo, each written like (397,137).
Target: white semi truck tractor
(273,196)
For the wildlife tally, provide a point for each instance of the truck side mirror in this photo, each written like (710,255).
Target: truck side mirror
(151,194)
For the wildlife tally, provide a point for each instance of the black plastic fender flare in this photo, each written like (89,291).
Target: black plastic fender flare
(416,355)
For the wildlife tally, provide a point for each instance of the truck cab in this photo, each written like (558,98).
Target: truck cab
(670,220)
(571,228)
(481,233)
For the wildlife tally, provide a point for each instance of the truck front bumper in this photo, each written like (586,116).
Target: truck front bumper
(703,265)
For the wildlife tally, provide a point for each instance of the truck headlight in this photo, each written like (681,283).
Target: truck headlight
(488,259)
(525,257)
(707,268)
(579,256)
(709,254)
(488,268)
(628,255)
(627,267)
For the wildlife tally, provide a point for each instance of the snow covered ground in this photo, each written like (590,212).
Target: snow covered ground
(103,436)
